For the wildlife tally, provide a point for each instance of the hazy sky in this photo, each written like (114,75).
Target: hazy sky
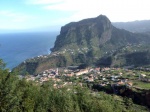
(33,14)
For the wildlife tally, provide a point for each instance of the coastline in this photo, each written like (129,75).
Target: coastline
(24,46)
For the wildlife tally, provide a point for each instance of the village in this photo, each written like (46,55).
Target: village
(101,77)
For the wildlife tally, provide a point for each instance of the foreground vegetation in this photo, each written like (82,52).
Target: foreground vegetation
(19,95)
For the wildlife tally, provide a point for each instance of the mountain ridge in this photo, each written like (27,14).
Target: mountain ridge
(82,29)
(88,41)
(141,26)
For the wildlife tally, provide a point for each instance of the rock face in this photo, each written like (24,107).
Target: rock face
(85,33)
(91,41)
(95,32)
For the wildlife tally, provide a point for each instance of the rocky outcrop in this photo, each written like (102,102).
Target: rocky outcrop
(92,41)
(88,32)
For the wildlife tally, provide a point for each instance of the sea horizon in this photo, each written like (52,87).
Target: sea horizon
(17,47)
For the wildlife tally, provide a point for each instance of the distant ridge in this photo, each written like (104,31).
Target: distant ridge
(93,41)
(134,26)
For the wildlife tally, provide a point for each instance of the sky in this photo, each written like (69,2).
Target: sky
(30,15)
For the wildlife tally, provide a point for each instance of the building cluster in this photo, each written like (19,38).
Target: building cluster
(51,74)
(144,78)
(68,76)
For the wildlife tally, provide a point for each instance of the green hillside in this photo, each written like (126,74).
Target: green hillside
(91,41)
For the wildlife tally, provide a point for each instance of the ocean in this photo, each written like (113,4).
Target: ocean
(17,47)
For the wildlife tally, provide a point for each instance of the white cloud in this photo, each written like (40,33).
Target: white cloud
(116,10)
(80,9)
(75,10)
(14,16)
(65,5)
(42,2)
(7,13)
(76,5)
(14,20)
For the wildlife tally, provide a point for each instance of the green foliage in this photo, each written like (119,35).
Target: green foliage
(141,84)
(19,95)
(138,58)
(2,64)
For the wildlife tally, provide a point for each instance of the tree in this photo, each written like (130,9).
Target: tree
(2,64)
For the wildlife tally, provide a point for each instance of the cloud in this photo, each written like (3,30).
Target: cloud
(64,11)
(79,9)
(75,5)
(116,10)
(14,20)
(14,16)
(43,2)
(7,13)
(65,5)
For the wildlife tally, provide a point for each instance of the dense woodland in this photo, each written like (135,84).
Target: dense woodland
(19,95)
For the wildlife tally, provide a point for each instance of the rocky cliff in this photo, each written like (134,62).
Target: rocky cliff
(91,41)
(85,33)
(94,32)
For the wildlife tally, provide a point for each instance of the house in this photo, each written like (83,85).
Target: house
(114,78)
(120,73)
(70,75)
(106,69)
(51,76)
(86,78)
(43,79)
(91,76)
(103,79)
(129,84)
(44,74)
(121,82)
(31,78)
(90,80)
(82,72)
(142,76)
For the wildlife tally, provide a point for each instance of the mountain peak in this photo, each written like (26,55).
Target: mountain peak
(92,41)
(102,17)
(83,33)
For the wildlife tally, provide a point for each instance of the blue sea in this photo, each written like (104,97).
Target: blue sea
(17,47)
